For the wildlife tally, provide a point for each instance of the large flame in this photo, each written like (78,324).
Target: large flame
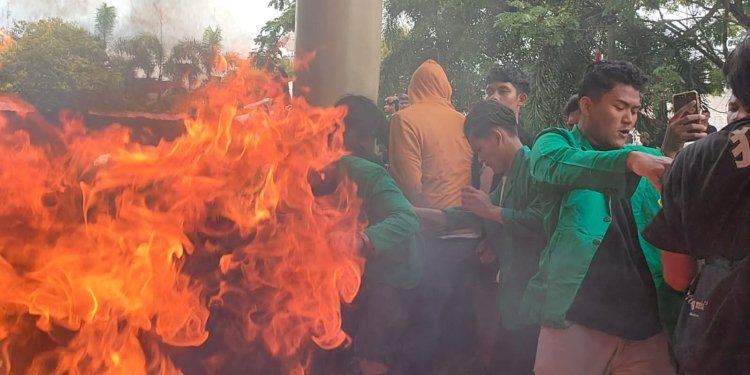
(124,258)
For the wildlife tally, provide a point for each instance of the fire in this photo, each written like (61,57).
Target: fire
(190,255)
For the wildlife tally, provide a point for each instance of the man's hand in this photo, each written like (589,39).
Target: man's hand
(649,166)
(478,203)
(681,130)
(485,252)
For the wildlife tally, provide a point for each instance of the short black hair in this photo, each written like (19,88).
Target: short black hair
(571,106)
(363,118)
(603,76)
(510,74)
(487,115)
(737,71)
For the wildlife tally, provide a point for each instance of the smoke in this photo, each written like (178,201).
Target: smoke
(239,20)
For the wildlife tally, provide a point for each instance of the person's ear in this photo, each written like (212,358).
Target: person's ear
(585,104)
(522,99)
(498,136)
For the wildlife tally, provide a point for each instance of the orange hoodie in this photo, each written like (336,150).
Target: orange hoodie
(430,158)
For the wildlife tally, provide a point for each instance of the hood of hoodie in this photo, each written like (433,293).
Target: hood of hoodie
(429,84)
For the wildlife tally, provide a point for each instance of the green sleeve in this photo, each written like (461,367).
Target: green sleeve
(526,222)
(383,200)
(555,160)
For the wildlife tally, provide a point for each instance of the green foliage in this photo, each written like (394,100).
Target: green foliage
(140,53)
(210,45)
(185,62)
(54,64)
(268,52)
(106,15)
(557,52)
(458,34)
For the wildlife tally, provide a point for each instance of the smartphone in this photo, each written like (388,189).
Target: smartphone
(683,98)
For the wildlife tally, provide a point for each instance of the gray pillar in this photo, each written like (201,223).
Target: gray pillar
(345,35)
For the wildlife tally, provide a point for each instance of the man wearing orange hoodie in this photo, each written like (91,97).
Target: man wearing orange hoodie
(430,160)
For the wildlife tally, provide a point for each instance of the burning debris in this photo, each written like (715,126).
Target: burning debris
(206,254)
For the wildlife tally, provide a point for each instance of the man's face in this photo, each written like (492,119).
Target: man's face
(490,150)
(403,103)
(608,121)
(390,106)
(708,117)
(735,110)
(506,94)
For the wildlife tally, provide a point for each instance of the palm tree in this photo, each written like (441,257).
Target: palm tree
(105,22)
(211,44)
(142,52)
(185,61)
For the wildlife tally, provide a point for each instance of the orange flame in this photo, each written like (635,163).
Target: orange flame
(122,258)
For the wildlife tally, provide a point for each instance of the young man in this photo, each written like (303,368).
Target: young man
(710,129)
(706,202)
(510,87)
(599,295)
(391,243)
(431,162)
(571,113)
(403,102)
(511,217)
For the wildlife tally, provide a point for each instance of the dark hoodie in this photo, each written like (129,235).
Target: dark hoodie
(430,158)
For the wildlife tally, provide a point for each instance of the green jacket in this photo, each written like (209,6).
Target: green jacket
(393,226)
(578,184)
(519,242)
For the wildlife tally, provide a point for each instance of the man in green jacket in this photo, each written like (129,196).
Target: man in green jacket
(600,295)
(391,243)
(510,219)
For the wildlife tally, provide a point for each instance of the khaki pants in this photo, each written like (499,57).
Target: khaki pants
(578,350)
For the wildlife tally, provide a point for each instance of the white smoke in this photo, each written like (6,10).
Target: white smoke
(240,20)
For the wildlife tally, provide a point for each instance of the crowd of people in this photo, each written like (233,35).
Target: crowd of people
(578,251)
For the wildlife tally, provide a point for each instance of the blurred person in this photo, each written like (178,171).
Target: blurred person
(704,217)
(710,129)
(600,296)
(511,218)
(430,160)
(390,107)
(571,112)
(391,243)
(403,102)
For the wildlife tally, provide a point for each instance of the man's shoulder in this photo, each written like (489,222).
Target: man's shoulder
(556,135)
(356,164)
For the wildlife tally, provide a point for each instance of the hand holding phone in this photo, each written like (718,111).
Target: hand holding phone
(686,124)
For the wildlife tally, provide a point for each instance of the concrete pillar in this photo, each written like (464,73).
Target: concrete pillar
(346,37)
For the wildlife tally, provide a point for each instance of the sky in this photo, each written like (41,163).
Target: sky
(240,20)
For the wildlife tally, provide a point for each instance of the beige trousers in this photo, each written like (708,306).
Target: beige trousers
(578,350)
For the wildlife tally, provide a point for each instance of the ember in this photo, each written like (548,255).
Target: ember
(206,254)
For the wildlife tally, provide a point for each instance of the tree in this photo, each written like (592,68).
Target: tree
(54,64)
(556,40)
(185,62)
(268,52)
(140,53)
(106,16)
(708,27)
(211,48)
(458,34)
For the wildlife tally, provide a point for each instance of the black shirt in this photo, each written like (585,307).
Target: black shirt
(617,295)
(706,198)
